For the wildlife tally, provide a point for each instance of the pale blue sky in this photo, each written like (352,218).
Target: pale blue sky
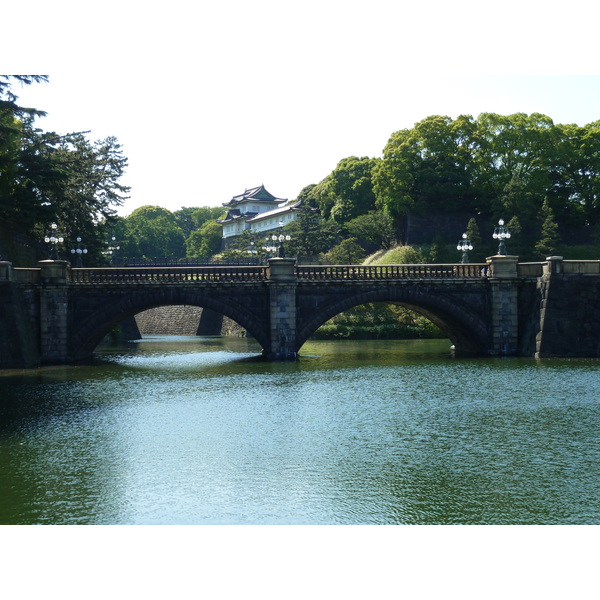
(208,99)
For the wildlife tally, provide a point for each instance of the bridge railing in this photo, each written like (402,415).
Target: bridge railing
(24,275)
(531,269)
(158,275)
(369,272)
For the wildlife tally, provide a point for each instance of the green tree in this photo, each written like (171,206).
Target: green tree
(155,231)
(191,219)
(90,187)
(473,233)
(207,213)
(375,227)
(515,229)
(47,177)
(426,168)
(184,219)
(352,187)
(347,252)
(517,199)
(322,196)
(437,251)
(549,236)
(310,233)
(515,147)
(205,242)
(575,193)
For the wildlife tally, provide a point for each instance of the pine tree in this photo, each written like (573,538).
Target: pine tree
(549,236)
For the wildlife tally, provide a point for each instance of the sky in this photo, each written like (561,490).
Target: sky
(209,99)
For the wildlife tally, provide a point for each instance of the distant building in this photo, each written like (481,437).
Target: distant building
(256,210)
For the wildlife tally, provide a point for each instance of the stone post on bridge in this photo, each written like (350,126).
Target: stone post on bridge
(6,271)
(503,278)
(54,311)
(282,308)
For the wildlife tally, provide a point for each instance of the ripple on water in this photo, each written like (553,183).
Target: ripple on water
(381,436)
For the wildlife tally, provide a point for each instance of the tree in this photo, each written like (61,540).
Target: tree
(575,193)
(310,233)
(321,196)
(347,252)
(473,233)
(426,168)
(185,220)
(46,177)
(8,99)
(375,227)
(517,199)
(515,229)
(90,187)
(206,241)
(352,188)
(155,231)
(191,219)
(207,213)
(507,147)
(549,236)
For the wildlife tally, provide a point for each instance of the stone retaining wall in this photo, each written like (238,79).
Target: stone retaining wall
(169,320)
(178,320)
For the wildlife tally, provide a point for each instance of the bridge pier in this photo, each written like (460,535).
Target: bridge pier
(282,309)
(54,304)
(503,279)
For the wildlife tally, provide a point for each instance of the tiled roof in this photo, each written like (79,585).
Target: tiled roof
(259,193)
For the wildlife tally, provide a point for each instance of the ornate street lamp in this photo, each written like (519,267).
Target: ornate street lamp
(464,246)
(501,233)
(111,249)
(78,252)
(281,238)
(54,238)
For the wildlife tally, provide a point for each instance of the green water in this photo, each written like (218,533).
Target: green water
(178,430)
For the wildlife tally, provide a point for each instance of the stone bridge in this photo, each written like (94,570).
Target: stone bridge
(57,314)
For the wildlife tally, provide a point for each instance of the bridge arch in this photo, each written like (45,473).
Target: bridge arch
(464,323)
(88,331)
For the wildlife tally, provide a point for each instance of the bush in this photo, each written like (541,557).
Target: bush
(378,321)
(401,255)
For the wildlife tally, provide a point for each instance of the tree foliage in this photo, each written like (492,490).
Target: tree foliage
(46,177)
(347,252)
(375,227)
(351,188)
(155,231)
(206,241)
(311,234)
(549,240)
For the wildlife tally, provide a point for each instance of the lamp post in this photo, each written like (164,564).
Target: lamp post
(501,233)
(464,245)
(281,238)
(54,238)
(111,249)
(78,252)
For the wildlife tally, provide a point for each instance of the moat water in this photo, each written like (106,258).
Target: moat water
(185,430)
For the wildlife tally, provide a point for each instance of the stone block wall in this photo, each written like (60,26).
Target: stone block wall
(569,322)
(19,343)
(169,320)
(184,320)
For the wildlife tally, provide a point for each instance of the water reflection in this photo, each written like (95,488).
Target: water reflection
(188,430)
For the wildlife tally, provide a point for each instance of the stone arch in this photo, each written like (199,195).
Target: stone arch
(462,323)
(88,332)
